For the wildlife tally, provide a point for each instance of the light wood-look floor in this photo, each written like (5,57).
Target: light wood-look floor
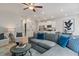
(5,50)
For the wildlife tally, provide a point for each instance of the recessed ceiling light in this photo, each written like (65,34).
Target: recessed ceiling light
(24,21)
(43,13)
(29,20)
(70,17)
(44,18)
(77,12)
(66,14)
(34,15)
(61,10)
(52,16)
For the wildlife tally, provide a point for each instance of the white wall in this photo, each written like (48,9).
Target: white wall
(10,21)
(31,27)
(16,23)
(57,23)
(76,32)
(60,24)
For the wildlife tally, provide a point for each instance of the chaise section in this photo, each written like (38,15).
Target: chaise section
(59,51)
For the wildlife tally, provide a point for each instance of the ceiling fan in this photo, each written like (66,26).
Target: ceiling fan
(31,6)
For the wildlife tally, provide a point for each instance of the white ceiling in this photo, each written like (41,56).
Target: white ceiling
(49,11)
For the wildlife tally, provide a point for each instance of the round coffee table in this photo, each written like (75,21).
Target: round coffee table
(20,51)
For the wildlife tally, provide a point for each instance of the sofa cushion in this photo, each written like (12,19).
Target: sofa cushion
(4,42)
(35,40)
(73,44)
(40,36)
(63,40)
(57,50)
(48,43)
(44,43)
(50,36)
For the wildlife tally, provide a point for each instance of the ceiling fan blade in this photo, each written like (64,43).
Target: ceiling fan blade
(24,3)
(38,6)
(34,10)
(25,8)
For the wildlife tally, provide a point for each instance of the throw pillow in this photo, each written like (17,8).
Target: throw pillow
(63,40)
(73,44)
(40,36)
(1,36)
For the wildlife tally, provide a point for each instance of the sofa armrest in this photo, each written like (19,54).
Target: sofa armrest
(4,42)
(31,38)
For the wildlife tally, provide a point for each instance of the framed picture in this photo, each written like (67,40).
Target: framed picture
(69,25)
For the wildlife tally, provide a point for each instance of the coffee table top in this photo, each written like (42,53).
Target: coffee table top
(20,50)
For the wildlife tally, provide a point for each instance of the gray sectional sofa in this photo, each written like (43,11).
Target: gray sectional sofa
(49,46)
